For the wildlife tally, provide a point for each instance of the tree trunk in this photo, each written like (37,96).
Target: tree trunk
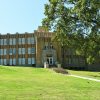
(63,57)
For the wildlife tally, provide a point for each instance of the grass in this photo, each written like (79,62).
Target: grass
(27,83)
(90,74)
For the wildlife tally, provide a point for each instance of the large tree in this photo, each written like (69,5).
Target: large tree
(76,24)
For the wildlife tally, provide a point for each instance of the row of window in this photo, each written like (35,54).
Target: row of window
(13,41)
(21,61)
(75,61)
(12,51)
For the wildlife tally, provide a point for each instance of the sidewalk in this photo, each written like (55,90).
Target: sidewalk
(92,79)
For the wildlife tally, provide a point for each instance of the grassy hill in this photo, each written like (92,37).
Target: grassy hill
(27,83)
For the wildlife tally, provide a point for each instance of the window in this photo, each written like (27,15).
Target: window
(5,62)
(69,61)
(29,60)
(19,40)
(23,61)
(14,50)
(19,61)
(29,40)
(5,41)
(10,61)
(33,60)
(19,50)
(1,51)
(32,50)
(32,40)
(10,42)
(5,51)
(29,50)
(23,40)
(14,41)
(23,50)
(1,41)
(1,61)
(10,51)
(14,61)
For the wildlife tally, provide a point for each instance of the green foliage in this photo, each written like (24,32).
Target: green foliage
(76,24)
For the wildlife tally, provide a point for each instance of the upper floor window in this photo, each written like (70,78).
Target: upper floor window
(5,41)
(1,51)
(29,40)
(23,40)
(19,40)
(48,46)
(14,41)
(32,40)
(1,41)
(10,41)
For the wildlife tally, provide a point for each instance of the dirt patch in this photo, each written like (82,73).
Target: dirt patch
(60,70)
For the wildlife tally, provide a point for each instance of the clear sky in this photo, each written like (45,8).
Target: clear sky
(21,15)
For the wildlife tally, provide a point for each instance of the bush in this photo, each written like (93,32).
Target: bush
(60,70)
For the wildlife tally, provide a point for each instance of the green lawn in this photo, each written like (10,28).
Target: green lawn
(90,74)
(26,83)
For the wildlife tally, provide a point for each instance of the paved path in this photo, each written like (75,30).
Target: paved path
(92,79)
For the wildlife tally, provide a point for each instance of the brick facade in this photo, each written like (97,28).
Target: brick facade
(33,49)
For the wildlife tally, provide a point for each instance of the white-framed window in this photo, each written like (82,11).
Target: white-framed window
(5,41)
(19,61)
(5,51)
(32,40)
(23,40)
(20,40)
(19,51)
(14,41)
(14,61)
(1,61)
(14,50)
(33,60)
(23,50)
(10,41)
(5,61)
(29,40)
(29,61)
(32,50)
(1,41)
(10,51)
(23,61)
(29,50)
(10,61)
(1,51)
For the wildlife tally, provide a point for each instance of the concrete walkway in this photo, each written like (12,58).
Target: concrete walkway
(92,79)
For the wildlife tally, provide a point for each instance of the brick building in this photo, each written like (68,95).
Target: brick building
(33,49)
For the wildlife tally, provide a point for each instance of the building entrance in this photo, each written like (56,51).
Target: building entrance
(50,60)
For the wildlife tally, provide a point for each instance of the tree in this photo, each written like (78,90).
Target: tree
(76,23)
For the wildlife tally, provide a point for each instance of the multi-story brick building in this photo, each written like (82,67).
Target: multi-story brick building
(35,49)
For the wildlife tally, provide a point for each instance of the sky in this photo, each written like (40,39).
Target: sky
(21,15)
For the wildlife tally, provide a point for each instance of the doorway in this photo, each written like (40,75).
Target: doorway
(50,60)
